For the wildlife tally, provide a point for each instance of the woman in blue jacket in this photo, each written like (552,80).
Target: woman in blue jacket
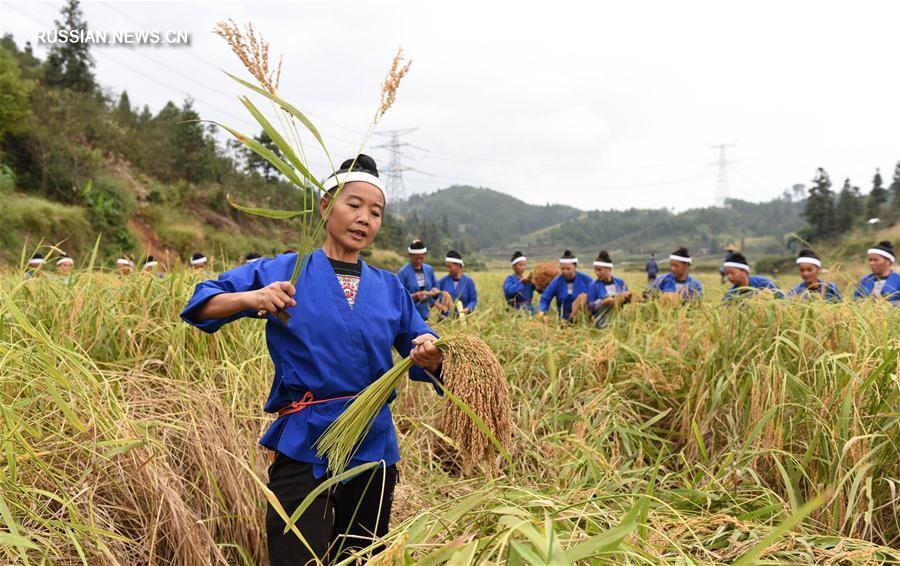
(882,282)
(418,278)
(460,286)
(809,265)
(517,287)
(565,287)
(345,319)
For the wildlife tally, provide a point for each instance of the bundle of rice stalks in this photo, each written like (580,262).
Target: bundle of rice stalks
(444,303)
(579,308)
(473,374)
(543,274)
(478,417)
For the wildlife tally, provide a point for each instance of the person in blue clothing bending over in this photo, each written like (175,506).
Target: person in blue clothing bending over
(809,265)
(678,281)
(565,287)
(882,282)
(607,291)
(418,278)
(737,271)
(517,287)
(460,286)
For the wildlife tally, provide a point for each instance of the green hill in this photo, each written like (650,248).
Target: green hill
(494,223)
(477,218)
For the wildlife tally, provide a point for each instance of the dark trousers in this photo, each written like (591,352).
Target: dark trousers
(341,519)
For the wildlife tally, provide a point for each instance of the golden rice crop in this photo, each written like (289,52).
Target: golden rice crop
(579,308)
(704,434)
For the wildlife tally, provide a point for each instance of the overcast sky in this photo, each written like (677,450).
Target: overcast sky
(594,104)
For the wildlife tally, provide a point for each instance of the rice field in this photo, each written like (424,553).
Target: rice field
(760,433)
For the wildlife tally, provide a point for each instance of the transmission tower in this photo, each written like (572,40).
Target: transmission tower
(722,192)
(394,186)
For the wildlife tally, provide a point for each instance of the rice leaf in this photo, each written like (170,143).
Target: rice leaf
(268,213)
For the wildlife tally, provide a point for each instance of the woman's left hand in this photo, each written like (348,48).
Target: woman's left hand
(425,354)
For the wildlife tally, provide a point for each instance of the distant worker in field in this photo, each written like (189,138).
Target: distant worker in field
(458,285)
(737,271)
(418,278)
(152,267)
(882,282)
(565,287)
(34,266)
(607,292)
(64,267)
(199,262)
(652,269)
(728,251)
(344,325)
(517,287)
(809,265)
(251,257)
(679,281)
(124,265)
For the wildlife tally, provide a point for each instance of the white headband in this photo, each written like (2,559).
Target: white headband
(681,258)
(124,261)
(738,265)
(882,253)
(35,261)
(568,260)
(150,264)
(63,260)
(349,177)
(809,260)
(453,260)
(421,251)
(517,260)
(252,260)
(198,261)
(603,264)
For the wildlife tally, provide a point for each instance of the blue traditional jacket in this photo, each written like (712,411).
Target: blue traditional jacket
(558,290)
(757,283)
(690,289)
(518,295)
(327,348)
(829,292)
(407,276)
(462,290)
(890,289)
(600,290)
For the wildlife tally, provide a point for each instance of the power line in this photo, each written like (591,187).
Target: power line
(396,167)
(395,187)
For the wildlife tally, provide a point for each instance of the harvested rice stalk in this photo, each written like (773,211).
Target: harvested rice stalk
(444,302)
(543,274)
(579,308)
(473,374)
(473,381)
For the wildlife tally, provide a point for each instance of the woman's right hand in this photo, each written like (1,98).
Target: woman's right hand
(272,298)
